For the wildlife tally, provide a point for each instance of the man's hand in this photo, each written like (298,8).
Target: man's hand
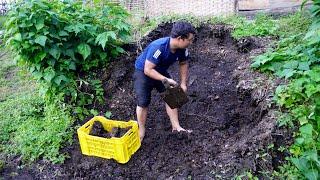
(183,87)
(171,82)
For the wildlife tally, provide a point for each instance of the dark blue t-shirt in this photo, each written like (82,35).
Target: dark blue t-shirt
(158,52)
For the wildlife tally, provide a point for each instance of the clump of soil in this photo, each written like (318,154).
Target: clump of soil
(174,97)
(245,45)
(98,130)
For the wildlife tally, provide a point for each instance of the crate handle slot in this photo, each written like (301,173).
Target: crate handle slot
(130,133)
(88,126)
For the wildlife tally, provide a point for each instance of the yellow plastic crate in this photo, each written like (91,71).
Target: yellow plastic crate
(119,149)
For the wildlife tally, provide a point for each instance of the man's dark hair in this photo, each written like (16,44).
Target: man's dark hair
(182,28)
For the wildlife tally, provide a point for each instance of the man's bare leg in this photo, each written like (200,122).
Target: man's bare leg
(142,117)
(174,119)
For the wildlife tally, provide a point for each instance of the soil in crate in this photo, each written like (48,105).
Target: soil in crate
(98,130)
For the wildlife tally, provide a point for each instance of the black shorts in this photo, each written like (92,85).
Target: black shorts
(143,85)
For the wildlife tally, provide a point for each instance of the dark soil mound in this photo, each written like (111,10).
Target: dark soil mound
(98,130)
(230,127)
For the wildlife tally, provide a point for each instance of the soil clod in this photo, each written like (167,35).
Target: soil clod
(98,130)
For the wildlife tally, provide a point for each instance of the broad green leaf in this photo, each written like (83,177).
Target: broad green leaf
(255,64)
(63,33)
(17,37)
(314,75)
(312,155)
(55,52)
(287,73)
(75,28)
(102,39)
(108,114)
(291,65)
(311,174)
(120,50)
(84,49)
(40,56)
(94,112)
(69,28)
(31,69)
(311,89)
(40,23)
(275,66)
(41,40)
(38,67)
(36,74)
(304,66)
(300,140)
(26,45)
(72,65)
(112,35)
(31,34)
(306,130)
(70,53)
(78,28)
(300,163)
(49,74)
(260,60)
(303,120)
(59,79)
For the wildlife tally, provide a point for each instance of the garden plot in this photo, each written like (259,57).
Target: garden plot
(227,111)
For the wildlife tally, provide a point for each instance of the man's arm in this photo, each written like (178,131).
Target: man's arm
(184,74)
(152,73)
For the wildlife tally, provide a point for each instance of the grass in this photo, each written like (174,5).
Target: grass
(262,25)
(294,24)
(2,20)
(265,25)
(29,127)
(14,82)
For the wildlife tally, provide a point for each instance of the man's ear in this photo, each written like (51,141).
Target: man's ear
(179,37)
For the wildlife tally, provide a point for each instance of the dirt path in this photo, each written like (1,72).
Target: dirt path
(232,126)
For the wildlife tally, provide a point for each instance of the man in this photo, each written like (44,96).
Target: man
(151,70)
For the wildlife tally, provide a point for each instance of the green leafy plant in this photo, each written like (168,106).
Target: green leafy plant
(33,129)
(296,58)
(91,94)
(44,135)
(61,43)
(60,40)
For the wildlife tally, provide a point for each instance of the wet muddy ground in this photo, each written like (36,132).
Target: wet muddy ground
(229,112)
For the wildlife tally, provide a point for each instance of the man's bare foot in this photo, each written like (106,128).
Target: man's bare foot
(182,129)
(181,133)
